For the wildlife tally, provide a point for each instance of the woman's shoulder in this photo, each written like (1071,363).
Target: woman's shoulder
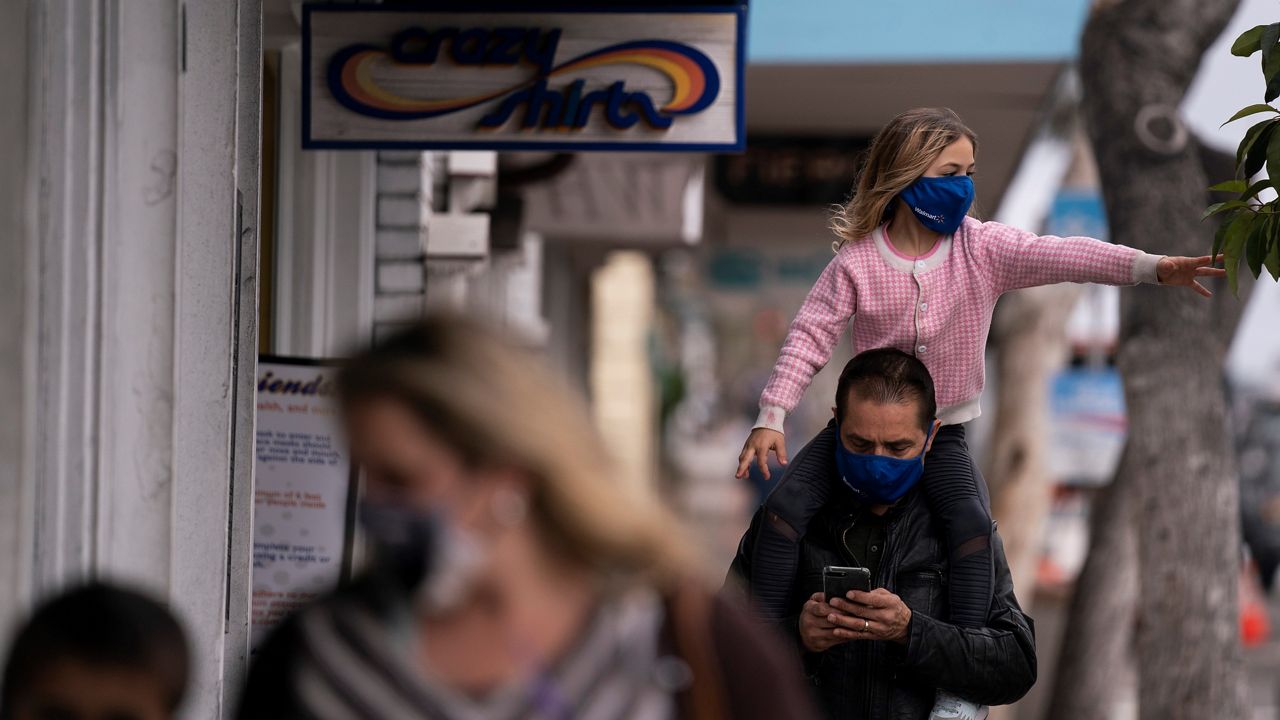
(769,681)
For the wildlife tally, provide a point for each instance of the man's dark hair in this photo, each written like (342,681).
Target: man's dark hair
(101,626)
(888,375)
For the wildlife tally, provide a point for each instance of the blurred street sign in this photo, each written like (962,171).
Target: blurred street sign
(1095,321)
(488,77)
(1078,211)
(615,199)
(1087,425)
(790,171)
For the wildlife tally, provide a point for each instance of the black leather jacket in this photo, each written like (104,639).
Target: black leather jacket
(869,680)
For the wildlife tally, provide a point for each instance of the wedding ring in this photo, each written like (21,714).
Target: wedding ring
(866,625)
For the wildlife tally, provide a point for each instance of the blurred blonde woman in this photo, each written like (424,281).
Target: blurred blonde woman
(513,577)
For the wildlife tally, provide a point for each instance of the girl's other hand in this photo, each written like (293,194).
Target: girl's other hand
(757,447)
(1184,271)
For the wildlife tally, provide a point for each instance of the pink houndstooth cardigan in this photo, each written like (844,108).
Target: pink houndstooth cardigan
(937,307)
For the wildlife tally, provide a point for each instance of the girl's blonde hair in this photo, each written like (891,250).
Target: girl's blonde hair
(497,404)
(899,154)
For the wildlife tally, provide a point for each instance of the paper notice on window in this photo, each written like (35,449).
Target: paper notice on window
(303,495)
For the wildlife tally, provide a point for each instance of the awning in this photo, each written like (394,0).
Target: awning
(1002,102)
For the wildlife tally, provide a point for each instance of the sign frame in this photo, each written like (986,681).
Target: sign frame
(739,143)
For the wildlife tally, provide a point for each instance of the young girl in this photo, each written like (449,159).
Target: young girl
(915,273)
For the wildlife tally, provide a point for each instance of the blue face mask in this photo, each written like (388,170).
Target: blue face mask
(878,479)
(940,203)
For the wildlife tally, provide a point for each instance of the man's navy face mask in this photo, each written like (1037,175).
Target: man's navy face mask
(940,203)
(878,479)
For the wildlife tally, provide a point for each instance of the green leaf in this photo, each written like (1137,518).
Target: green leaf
(1222,207)
(1257,156)
(1273,157)
(1219,237)
(1256,246)
(1272,261)
(1233,245)
(1251,110)
(1273,89)
(1250,138)
(1249,42)
(1256,188)
(1270,57)
(1230,186)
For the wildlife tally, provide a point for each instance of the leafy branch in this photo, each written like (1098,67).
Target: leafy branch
(1249,227)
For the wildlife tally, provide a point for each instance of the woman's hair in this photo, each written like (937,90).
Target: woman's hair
(105,627)
(899,154)
(497,404)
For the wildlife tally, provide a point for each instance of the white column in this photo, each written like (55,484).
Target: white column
(131,423)
(139,216)
(325,247)
(622,388)
(15,494)
(215,340)
(64,248)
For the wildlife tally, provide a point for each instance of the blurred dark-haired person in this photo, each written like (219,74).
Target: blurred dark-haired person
(96,653)
(893,652)
(513,575)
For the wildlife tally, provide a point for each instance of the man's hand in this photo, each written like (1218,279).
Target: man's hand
(1184,271)
(757,447)
(817,631)
(877,615)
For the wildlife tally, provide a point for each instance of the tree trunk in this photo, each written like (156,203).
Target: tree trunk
(1137,59)
(1096,660)
(1030,340)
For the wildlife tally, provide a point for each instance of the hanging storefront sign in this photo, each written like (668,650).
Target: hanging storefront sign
(787,170)
(634,200)
(304,499)
(377,77)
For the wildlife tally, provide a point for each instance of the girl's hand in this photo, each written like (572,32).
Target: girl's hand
(757,447)
(1184,271)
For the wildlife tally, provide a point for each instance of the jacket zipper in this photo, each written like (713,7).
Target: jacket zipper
(881,575)
(844,540)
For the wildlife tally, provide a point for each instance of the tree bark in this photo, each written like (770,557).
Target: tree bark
(1030,340)
(1096,660)
(1137,59)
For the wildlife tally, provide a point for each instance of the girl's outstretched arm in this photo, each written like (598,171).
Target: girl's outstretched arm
(1015,259)
(822,319)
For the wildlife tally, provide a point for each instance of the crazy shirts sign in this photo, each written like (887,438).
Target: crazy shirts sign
(394,77)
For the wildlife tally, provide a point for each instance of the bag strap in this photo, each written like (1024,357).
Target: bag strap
(691,616)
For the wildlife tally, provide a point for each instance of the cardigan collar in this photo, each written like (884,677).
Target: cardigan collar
(919,265)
